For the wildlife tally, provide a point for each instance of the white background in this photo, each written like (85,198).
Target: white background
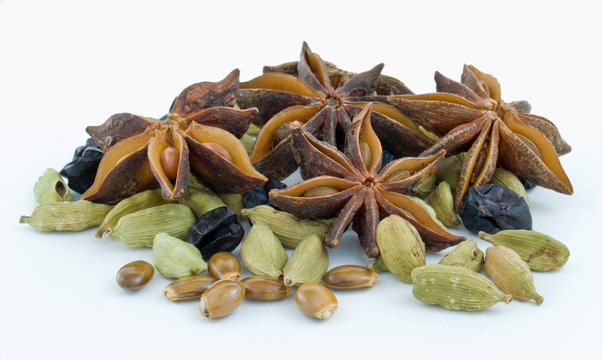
(68,64)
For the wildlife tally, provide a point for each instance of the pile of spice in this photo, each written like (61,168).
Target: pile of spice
(398,167)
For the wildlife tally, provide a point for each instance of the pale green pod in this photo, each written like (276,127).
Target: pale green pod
(378,264)
(201,200)
(175,258)
(253,130)
(455,288)
(511,274)
(262,253)
(142,200)
(287,228)
(449,170)
(400,246)
(50,188)
(442,202)
(233,201)
(509,180)
(425,187)
(247,142)
(308,263)
(541,252)
(429,210)
(139,228)
(66,216)
(428,133)
(465,254)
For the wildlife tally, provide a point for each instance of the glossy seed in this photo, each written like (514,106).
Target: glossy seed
(265,288)
(350,277)
(316,301)
(169,162)
(218,149)
(224,266)
(397,175)
(320,191)
(366,154)
(135,275)
(222,298)
(188,288)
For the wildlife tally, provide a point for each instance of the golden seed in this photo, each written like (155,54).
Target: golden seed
(188,288)
(350,277)
(224,265)
(222,298)
(366,154)
(218,149)
(316,301)
(320,191)
(397,175)
(135,275)
(265,288)
(170,158)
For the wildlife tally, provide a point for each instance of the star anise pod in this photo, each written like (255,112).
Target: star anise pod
(144,153)
(323,108)
(471,116)
(352,186)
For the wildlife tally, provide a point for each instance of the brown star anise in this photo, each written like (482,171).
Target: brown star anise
(197,136)
(352,186)
(471,116)
(323,107)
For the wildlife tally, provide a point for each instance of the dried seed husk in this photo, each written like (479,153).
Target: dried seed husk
(262,253)
(135,275)
(265,288)
(509,180)
(201,201)
(233,201)
(139,228)
(222,298)
(541,252)
(347,277)
(188,288)
(50,188)
(316,301)
(425,187)
(136,202)
(449,170)
(465,254)
(287,228)
(308,263)
(175,258)
(511,274)
(224,265)
(455,288)
(400,246)
(442,202)
(66,216)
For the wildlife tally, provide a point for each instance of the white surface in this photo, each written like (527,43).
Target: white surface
(65,65)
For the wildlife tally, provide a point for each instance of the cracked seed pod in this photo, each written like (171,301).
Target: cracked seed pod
(465,254)
(262,253)
(511,274)
(50,187)
(308,263)
(442,202)
(66,216)
(175,258)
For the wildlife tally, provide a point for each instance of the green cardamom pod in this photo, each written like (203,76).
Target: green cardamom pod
(449,170)
(455,288)
(50,188)
(139,228)
(511,274)
(253,130)
(429,210)
(465,254)
(308,263)
(66,216)
(541,252)
(425,187)
(287,228)
(509,180)
(378,264)
(233,201)
(400,246)
(136,202)
(262,253)
(201,200)
(175,258)
(428,133)
(442,202)
(247,142)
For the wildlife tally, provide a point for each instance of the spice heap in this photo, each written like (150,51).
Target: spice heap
(397,166)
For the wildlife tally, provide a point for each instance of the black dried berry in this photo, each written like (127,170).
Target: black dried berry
(216,230)
(81,171)
(492,208)
(526,184)
(259,195)
(386,158)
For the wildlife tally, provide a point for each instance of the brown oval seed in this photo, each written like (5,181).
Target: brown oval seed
(169,162)
(320,191)
(222,298)
(135,275)
(397,175)
(316,301)
(224,265)
(265,288)
(188,288)
(347,277)
(218,149)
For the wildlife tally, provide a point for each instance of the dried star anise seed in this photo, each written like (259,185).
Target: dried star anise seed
(354,187)
(471,116)
(144,153)
(323,108)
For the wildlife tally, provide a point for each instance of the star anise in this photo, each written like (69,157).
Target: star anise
(352,186)
(144,153)
(323,107)
(471,116)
